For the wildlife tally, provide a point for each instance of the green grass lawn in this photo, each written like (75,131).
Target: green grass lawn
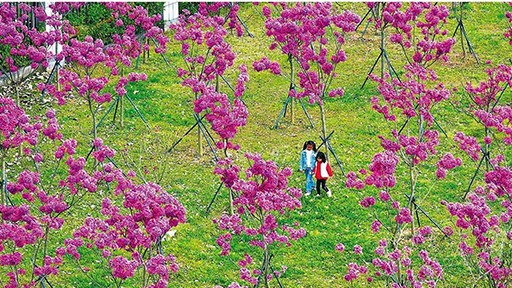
(311,261)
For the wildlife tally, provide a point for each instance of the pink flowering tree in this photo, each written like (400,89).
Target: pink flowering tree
(258,202)
(129,238)
(485,108)
(427,19)
(483,220)
(414,146)
(25,47)
(383,17)
(265,64)
(414,97)
(85,58)
(225,117)
(263,201)
(16,130)
(207,56)
(231,17)
(403,20)
(313,35)
(35,209)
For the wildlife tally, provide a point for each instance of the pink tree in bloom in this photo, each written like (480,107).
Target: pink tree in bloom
(16,130)
(415,96)
(428,18)
(84,58)
(25,44)
(207,56)
(232,19)
(485,108)
(129,238)
(413,145)
(263,201)
(303,32)
(383,15)
(36,209)
(483,220)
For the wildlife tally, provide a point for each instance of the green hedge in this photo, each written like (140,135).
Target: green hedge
(95,19)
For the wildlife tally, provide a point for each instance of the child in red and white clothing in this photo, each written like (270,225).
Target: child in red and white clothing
(322,172)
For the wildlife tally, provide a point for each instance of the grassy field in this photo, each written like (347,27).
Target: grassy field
(312,261)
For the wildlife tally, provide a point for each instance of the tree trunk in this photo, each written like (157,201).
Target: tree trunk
(324,129)
(199,143)
(292,80)
(4,177)
(266,266)
(382,51)
(121,110)
(94,131)
(231,207)
(16,92)
(413,189)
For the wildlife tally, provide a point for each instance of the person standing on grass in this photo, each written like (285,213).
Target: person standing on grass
(307,163)
(322,172)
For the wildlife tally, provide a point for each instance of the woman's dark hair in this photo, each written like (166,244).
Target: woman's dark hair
(309,142)
(321,155)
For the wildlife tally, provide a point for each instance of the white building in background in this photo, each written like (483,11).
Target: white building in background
(170,13)
(56,47)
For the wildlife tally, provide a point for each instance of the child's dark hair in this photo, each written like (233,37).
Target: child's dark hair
(321,155)
(309,142)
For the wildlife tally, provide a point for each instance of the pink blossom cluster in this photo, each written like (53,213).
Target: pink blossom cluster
(448,162)
(415,101)
(468,144)
(499,182)
(420,147)
(485,104)
(301,32)
(65,7)
(52,129)
(206,9)
(354,270)
(33,211)
(128,42)
(484,95)
(428,18)
(260,195)
(353,182)
(382,170)
(265,64)
(486,214)
(388,260)
(485,224)
(147,214)
(15,127)
(498,118)
(91,53)
(30,211)
(212,55)
(391,14)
